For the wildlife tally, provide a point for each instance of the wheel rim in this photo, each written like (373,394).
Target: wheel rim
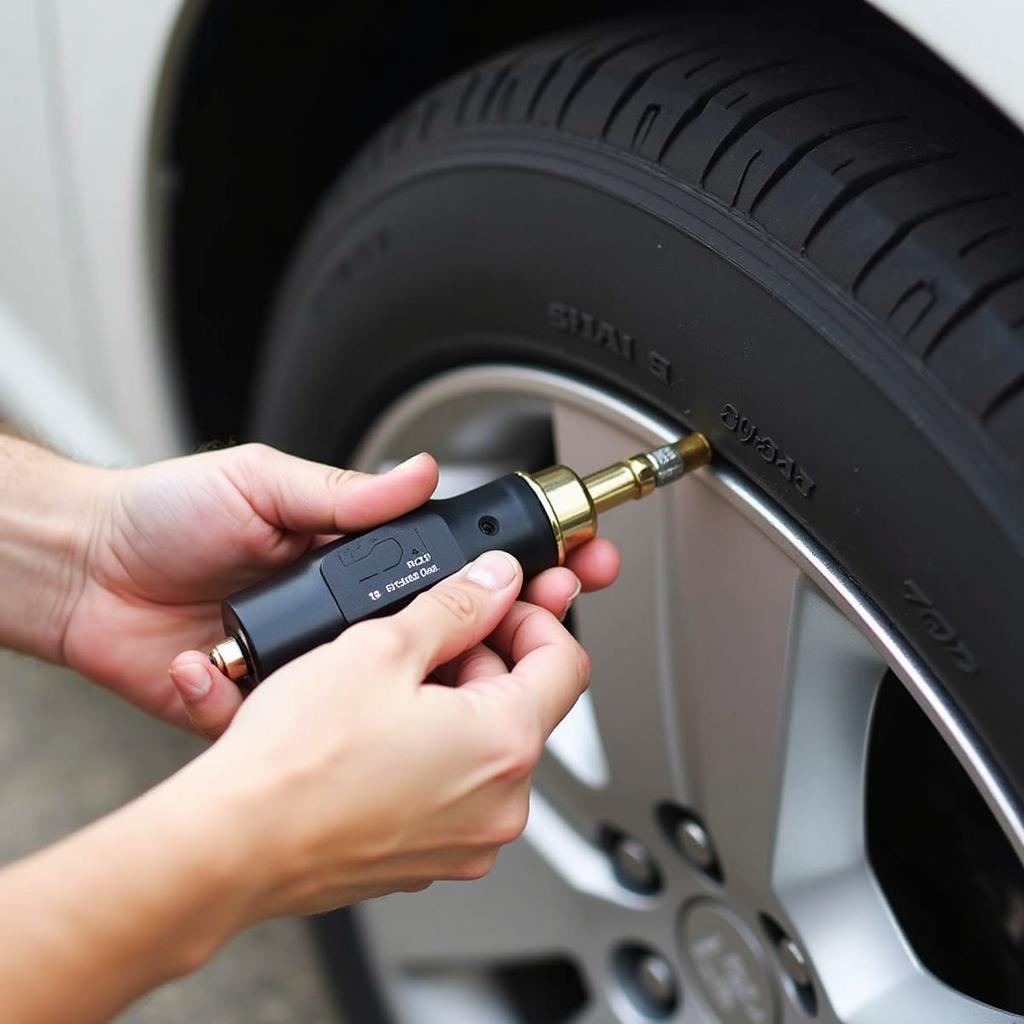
(723,742)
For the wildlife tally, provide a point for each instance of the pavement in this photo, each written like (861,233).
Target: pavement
(70,752)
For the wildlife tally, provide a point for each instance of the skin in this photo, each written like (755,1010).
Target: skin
(398,754)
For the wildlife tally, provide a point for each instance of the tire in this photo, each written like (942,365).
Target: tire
(791,235)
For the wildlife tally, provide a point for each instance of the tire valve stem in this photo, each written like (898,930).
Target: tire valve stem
(538,517)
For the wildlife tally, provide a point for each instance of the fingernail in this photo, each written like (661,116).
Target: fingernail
(572,597)
(408,464)
(494,570)
(192,681)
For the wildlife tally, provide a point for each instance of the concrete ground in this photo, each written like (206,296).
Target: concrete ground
(69,752)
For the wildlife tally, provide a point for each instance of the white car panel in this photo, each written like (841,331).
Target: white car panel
(42,346)
(981,40)
(108,77)
(78,90)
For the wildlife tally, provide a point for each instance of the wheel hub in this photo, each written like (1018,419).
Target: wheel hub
(728,965)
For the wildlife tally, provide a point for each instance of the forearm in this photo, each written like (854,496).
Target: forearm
(47,507)
(144,895)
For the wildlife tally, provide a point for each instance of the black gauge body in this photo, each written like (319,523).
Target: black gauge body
(366,575)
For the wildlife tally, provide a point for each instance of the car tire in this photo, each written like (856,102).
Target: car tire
(792,232)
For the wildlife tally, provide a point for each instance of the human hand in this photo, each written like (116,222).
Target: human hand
(354,779)
(170,540)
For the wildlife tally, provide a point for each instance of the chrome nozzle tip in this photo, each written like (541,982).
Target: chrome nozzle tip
(671,461)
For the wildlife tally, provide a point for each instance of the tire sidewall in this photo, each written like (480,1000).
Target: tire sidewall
(559,255)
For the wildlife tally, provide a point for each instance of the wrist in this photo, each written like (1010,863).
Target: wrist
(204,869)
(49,508)
(219,813)
(263,817)
(145,895)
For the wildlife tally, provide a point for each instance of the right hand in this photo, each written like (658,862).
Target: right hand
(355,779)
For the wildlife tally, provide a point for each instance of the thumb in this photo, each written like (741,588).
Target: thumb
(210,698)
(444,621)
(311,497)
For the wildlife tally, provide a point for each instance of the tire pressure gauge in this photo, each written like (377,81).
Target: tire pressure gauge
(537,517)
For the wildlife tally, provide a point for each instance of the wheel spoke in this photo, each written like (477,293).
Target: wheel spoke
(733,601)
(457,996)
(599,1012)
(580,806)
(834,675)
(921,999)
(577,744)
(573,772)
(631,687)
(865,967)
(571,856)
(764,665)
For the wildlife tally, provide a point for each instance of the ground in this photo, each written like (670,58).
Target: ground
(70,752)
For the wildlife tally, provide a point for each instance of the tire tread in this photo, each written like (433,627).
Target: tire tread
(819,139)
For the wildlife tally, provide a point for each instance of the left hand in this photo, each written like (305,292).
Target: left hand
(172,539)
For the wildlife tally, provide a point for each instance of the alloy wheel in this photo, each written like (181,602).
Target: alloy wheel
(696,850)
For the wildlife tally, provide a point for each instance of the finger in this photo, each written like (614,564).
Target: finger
(550,666)
(478,662)
(310,497)
(210,698)
(554,589)
(448,619)
(596,563)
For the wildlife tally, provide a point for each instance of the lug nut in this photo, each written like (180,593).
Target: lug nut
(655,980)
(634,866)
(695,843)
(648,979)
(689,836)
(794,963)
(794,966)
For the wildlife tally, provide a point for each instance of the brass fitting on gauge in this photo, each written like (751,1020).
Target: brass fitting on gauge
(229,658)
(573,504)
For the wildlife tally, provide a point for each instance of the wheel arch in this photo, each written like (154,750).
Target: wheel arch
(978,42)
